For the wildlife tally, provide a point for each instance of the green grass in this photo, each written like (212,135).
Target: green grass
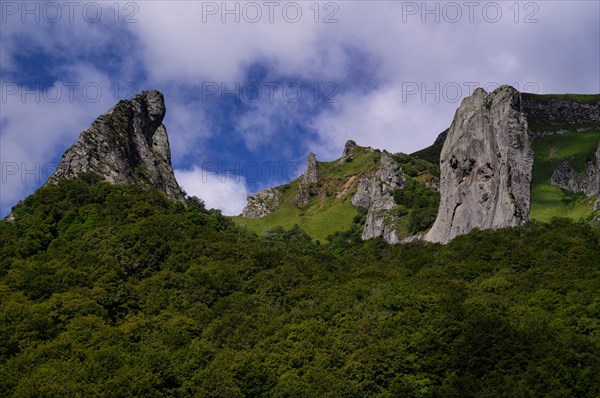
(363,161)
(548,201)
(318,219)
(535,126)
(431,153)
(324,214)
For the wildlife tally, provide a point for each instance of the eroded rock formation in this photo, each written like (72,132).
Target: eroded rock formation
(347,154)
(262,203)
(486,164)
(307,187)
(376,193)
(126,145)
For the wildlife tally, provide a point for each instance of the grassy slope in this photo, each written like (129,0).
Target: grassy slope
(547,200)
(431,153)
(323,215)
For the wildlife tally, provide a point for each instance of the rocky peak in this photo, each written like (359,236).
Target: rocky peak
(347,153)
(486,164)
(126,145)
(376,193)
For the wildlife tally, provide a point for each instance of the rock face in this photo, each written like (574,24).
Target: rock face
(376,193)
(587,182)
(126,145)
(262,203)
(309,181)
(486,166)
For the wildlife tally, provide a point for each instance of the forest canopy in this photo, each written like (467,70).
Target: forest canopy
(112,290)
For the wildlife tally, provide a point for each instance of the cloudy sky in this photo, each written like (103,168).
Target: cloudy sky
(252,87)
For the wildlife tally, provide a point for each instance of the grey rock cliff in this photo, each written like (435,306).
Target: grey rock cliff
(126,145)
(486,166)
(376,193)
(587,182)
(262,203)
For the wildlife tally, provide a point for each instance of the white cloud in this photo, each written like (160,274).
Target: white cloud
(225,192)
(195,49)
(188,126)
(398,47)
(39,125)
(172,47)
(381,119)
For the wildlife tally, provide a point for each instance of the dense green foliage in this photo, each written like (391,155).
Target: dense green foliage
(115,291)
(417,205)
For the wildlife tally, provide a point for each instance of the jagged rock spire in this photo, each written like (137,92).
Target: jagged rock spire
(126,145)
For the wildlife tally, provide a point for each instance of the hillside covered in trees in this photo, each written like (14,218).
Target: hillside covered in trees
(113,290)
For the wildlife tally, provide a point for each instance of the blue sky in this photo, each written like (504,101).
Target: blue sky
(252,87)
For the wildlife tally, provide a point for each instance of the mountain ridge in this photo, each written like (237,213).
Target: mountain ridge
(569,112)
(392,196)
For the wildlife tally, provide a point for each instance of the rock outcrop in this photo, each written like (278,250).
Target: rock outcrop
(311,174)
(376,193)
(262,203)
(551,114)
(126,145)
(347,154)
(587,182)
(486,165)
(307,187)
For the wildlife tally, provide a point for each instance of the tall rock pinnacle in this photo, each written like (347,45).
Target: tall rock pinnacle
(306,189)
(311,175)
(126,145)
(486,165)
